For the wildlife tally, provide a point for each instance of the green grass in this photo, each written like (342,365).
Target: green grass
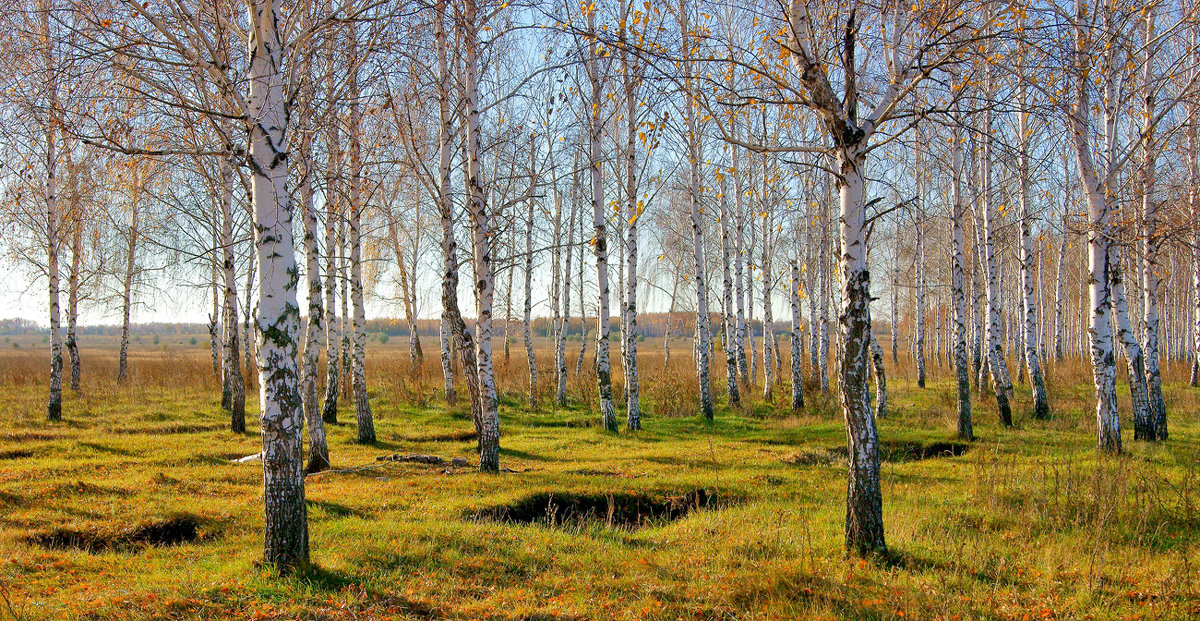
(1029,523)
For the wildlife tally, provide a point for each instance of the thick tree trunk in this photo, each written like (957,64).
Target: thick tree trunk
(1100,254)
(864,503)
(285,542)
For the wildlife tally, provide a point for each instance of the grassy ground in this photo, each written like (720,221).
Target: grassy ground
(1028,523)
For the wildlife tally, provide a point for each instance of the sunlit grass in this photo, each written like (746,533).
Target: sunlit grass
(1029,522)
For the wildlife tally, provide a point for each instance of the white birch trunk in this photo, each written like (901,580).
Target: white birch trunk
(358,370)
(527,317)
(1041,407)
(797,349)
(285,544)
(75,222)
(694,160)
(127,284)
(739,258)
(54,403)
(999,367)
(233,385)
(333,337)
(633,211)
(489,435)
(1104,372)
(608,417)
(1155,427)
(729,328)
(318,450)
(958,290)
(561,346)
(768,317)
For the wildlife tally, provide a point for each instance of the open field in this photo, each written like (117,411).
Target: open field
(131,508)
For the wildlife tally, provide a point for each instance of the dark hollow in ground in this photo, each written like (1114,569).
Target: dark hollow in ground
(163,532)
(623,510)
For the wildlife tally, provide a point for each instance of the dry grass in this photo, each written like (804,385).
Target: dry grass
(1029,523)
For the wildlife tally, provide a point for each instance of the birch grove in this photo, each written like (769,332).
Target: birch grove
(970,186)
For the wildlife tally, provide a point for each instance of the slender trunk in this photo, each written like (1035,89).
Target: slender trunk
(895,327)
(1193,177)
(54,403)
(560,351)
(318,450)
(825,295)
(797,334)
(347,327)
(880,379)
(526,332)
(633,210)
(233,384)
(694,158)
(582,306)
(1156,429)
(608,416)
(556,325)
(1041,407)
(214,317)
(127,288)
(739,257)
(729,329)
(362,405)
(996,361)
(333,337)
(920,319)
(73,282)
(1060,275)
(1134,357)
(958,291)
(768,318)
(489,435)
